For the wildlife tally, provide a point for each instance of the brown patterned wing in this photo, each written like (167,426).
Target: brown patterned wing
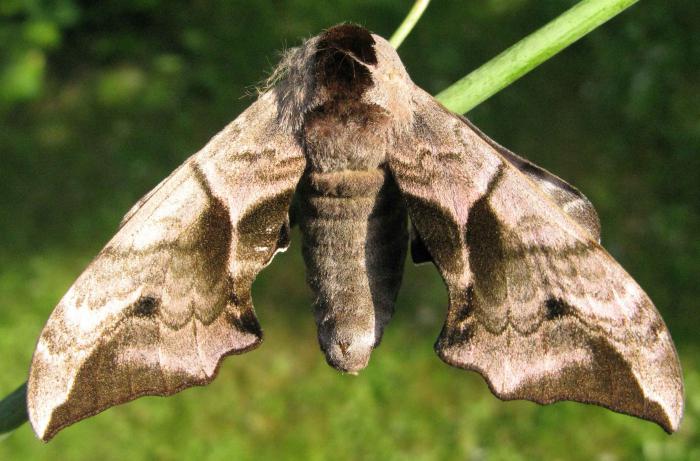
(169,296)
(566,196)
(537,306)
(563,194)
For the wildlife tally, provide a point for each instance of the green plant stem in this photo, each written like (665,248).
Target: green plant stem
(460,97)
(13,410)
(408,23)
(529,53)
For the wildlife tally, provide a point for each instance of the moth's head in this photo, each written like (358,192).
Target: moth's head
(352,63)
(344,54)
(346,62)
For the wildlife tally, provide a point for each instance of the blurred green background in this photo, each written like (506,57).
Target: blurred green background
(99,101)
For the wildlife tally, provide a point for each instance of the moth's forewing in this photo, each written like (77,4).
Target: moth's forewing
(564,195)
(536,305)
(169,296)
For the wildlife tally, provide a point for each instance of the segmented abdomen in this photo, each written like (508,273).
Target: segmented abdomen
(354,245)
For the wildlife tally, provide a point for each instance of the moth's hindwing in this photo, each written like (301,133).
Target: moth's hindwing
(537,306)
(169,296)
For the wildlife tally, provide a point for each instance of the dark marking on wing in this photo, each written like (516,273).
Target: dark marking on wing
(458,336)
(212,236)
(240,314)
(466,309)
(441,230)
(146,306)
(260,226)
(459,327)
(556,308)
(245,321)
(486,247)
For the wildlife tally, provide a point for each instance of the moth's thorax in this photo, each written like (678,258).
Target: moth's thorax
(346,134)
(353,119)
(347,95)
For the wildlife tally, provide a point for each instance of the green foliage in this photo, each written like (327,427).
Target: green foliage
(529,53)
(99,102)
(29,31)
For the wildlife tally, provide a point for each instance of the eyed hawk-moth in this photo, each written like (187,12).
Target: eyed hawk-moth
(536,305)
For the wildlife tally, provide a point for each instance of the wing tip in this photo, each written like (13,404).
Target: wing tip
(666,412)
(46,428)
(44,423)
(671,422)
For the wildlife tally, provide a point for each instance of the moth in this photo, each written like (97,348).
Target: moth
(536,305)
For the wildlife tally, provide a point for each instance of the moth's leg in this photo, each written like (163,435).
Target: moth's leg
(354,244)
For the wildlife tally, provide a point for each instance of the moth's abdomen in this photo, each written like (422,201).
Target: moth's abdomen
(354,245)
